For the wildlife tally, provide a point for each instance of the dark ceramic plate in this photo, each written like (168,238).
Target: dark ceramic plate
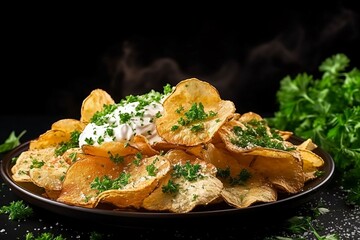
(214,214)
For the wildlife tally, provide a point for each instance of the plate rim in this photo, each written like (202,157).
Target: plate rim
(68,210)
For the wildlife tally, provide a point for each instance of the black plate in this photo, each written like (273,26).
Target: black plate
(215,214)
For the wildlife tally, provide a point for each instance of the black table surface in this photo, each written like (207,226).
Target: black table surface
(342,219)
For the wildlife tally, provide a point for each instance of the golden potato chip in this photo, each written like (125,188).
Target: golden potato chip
(307,144)
(249,116)
(50,174)
(143,179)
(165,146)
(255,189)
(191,183)
(52,194)
(93,103)
(77,186)
(51,138)
(285,135)
(193,113)
(72,155)
(242,137)
(311,163)
(28,159)
(242,185)
(107,149)
(141,143)
(68,125)
(283,169)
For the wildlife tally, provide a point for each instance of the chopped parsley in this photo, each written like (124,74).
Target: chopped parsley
(171,187)
(240,179)
(190,172)
(106,183)
(255,134)
(152,169)
(116,158)
(193,117)
(36,164)
(17,210)
(72,143)
(44,236)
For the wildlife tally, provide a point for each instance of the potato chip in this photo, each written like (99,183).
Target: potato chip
(191,183)
(76,189)
(50,174)
(52,194)
(242,186)
(141,143)
(254,190)
(193,113)
(51,138)
(28,159)
(93,103)
(307,144)
(142,181)
(72,155)
(68,125)
(312,163)
(244,136)
(107,149)
(283,169)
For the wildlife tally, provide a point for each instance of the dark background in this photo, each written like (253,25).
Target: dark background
(54,57)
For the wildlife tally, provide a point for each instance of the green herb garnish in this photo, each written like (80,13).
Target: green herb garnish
(171,187)
(72,143)
(17,210)
(190,172)
(106,183)
(327,110)
(11,142)
(44,236)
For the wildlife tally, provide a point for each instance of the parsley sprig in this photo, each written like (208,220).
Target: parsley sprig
(327,110)
(17,210)
(11,142)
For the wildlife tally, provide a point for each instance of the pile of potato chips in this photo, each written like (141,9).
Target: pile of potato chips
(203,158)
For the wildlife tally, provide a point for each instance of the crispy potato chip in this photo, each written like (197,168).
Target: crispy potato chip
(72,155)
(68,125)
(240,137)
(285,135)
(254,190)
(141,143)
(191,183)
(29,158)
(242,185)
(312,163)
(249,116)
(50,174)
(283,169)
(93,103)
(51,138)
(142,181)
(307,144)
(52,194)
(107,149)
(76,189)
(165,146)
(193,113)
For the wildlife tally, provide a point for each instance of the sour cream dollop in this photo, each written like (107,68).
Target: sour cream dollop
(134,116)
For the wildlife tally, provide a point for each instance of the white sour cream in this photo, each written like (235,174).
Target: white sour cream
(138,122)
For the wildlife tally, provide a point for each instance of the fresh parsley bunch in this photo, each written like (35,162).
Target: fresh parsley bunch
(327,110)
